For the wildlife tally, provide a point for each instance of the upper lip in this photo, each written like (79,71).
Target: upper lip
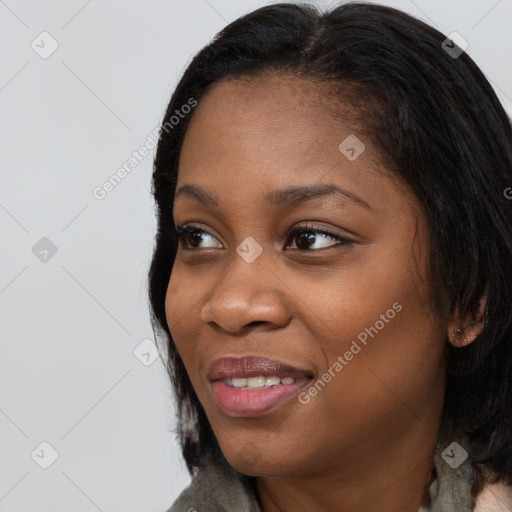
(252,366)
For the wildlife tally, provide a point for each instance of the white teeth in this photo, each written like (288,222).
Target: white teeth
(272,381)
(259,382)
(256,382)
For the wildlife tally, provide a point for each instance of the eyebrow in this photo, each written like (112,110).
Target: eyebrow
(284,197)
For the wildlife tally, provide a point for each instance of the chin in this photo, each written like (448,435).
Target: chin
(261,460)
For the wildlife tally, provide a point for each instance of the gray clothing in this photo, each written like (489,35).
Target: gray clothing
(219,488)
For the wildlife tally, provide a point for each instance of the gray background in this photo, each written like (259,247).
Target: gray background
(71,320)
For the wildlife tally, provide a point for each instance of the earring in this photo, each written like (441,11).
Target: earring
(458,333)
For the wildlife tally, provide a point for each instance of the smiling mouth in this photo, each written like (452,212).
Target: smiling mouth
(259,382)
(251,386)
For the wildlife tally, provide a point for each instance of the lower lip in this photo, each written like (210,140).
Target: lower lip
(241,402)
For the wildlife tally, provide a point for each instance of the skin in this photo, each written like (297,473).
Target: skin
(366,441)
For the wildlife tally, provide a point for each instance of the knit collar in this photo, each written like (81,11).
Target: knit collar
(218,487)
(451,488)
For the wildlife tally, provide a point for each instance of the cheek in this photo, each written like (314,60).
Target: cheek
(380,297)
(381,303)
(173,307)
(390,342)
(182,298)
(183,304)
(181,309)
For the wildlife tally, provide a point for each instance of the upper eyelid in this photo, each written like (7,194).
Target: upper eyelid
(191,227)
(307,227)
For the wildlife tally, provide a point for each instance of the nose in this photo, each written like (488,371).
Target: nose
(247,295)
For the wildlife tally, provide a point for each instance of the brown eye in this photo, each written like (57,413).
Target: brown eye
(191,236)
(307,236)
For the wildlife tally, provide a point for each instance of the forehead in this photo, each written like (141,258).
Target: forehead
(276,120)
(253,135)
(279,105)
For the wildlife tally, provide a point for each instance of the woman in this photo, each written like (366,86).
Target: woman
(333,267)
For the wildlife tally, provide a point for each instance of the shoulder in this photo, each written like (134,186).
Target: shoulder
(216,487)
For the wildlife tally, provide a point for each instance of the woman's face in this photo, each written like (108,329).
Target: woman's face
(348,310)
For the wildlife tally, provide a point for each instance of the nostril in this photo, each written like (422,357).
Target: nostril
(255,323)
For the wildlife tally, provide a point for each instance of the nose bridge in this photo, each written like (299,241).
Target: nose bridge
(246,291)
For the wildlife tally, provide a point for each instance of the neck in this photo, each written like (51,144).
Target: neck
(390,477)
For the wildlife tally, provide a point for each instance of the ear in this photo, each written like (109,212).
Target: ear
(463,331)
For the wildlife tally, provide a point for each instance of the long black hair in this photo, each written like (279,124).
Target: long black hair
(437,123)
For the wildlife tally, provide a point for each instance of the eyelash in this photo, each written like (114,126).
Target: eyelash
(181,232)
